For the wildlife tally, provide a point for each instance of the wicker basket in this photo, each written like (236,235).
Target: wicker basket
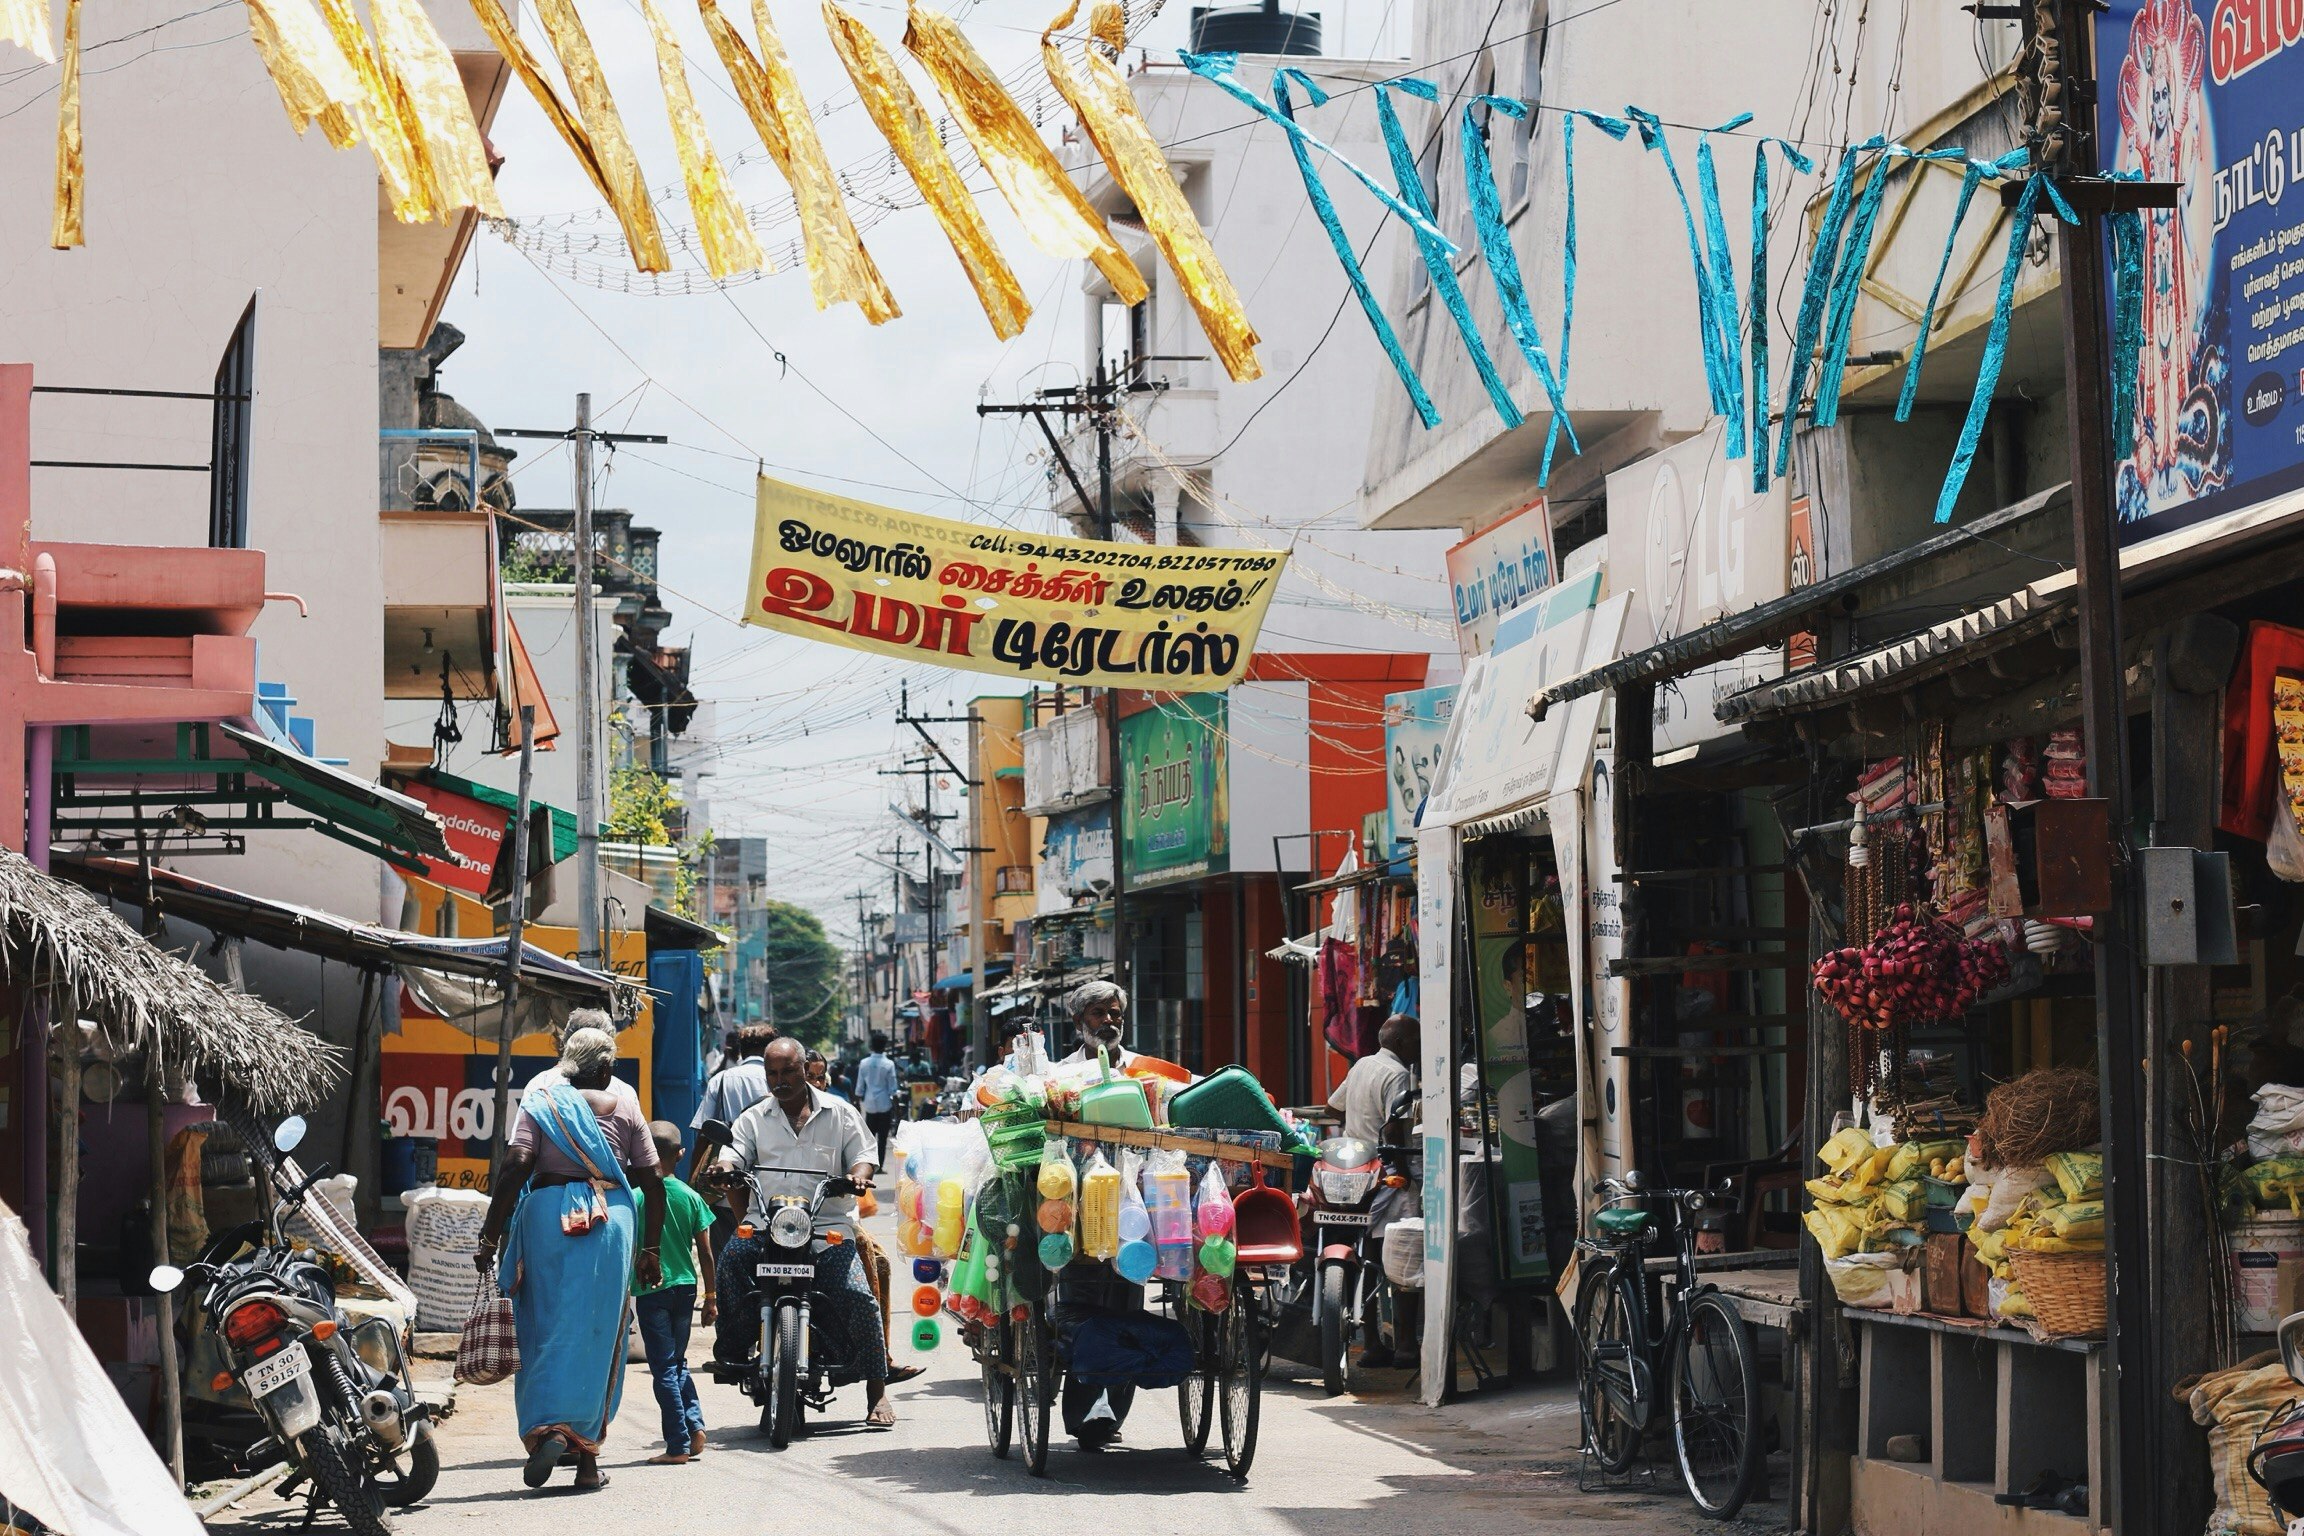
(2066,1291)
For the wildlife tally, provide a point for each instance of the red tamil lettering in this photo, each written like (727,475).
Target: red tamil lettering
(797,594)
(949,627)
(890,620)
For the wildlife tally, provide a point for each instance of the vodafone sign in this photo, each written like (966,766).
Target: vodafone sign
(475,836)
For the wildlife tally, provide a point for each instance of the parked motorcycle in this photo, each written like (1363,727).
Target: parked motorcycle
(792,1370)
(2276,1460)
(1331,1297)
(330,1396)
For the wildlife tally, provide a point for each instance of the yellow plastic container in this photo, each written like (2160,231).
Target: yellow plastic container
(951,1217)
(1100,1211)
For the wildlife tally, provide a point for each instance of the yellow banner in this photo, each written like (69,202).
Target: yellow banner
(1021,605)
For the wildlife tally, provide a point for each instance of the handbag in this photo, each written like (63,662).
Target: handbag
(489,1349)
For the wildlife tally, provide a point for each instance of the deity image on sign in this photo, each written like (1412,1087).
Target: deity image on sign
(2182,448)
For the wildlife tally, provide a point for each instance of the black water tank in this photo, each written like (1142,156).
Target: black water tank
(1261,28)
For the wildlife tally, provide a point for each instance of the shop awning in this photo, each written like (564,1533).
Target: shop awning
(1939,648)
(343,798)
(521,688)
(1503,759)
(962,981)
(455,978)
(669,930)
(1773,622)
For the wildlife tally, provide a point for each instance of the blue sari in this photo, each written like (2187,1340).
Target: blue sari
(567,1265)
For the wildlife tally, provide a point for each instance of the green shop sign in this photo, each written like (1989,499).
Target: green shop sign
(1177,817)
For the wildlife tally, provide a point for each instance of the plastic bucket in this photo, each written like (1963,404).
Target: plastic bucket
(2267,1272)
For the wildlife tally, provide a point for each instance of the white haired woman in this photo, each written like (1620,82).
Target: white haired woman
(566,1196)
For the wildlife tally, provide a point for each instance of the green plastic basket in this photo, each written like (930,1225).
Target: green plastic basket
(1016,1135)
(1228,1099)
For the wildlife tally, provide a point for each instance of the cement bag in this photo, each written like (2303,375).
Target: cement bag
(2278,1127)
(443,1233)
(337,1191)
(1877,1282)
(2234,1406)
(1404,1253)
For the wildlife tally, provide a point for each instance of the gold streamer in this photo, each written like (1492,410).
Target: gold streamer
(407,177)
(721,223)
(632,209)
(1107,109)
(626,187)
(315,82)
(66,233)
(430,92)
(897,113)
(839,268)
(1052,210)
(25,23)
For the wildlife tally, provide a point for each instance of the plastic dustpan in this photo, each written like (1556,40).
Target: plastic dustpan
(1264,1225)
(1228,1099)
(1115,1100)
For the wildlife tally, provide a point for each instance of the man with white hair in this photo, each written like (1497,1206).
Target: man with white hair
(1099,1011)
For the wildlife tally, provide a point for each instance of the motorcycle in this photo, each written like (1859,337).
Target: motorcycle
(1331,1296)
(791,1371)
(330,1396)
(2276,1459)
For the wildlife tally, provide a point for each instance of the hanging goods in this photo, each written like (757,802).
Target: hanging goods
(839,268)
(1108,111)
(896,111)
(1115,1100)
(1100,1209)
(1054,212)
(722,226)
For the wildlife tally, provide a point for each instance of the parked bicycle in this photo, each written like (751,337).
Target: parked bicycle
(1640,1335)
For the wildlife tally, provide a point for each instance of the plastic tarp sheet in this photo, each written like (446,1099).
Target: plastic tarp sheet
(71,1455)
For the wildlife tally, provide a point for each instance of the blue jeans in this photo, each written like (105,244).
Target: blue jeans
(663,1317)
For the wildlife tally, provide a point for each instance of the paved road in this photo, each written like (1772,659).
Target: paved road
(1376,1464)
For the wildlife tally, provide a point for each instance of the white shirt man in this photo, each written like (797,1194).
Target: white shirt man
(876,1084)
(832,1140)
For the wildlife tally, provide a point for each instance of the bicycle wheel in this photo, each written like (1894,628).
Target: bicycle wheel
(1716,1407)
(1240,1378)
(994,1357)
(1196,1394)
(1610,1375)
(1035,1387)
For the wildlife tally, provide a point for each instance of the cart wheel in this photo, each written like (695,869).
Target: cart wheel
(1240,1376)
(1035,1356)
(1196,1393)
(994,1354)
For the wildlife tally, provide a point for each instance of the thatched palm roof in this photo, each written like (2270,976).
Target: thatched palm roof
(65,943)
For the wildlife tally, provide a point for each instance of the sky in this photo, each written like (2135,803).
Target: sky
(753,374)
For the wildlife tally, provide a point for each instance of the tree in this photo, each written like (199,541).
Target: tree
(806,974)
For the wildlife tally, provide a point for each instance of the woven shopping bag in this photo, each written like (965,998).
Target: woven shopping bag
(489,1351)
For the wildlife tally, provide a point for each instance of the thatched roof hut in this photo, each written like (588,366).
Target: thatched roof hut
(67,945)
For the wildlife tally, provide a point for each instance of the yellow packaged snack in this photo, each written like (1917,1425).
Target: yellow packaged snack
(2077,1219)
(1905,1201)
(2078,1174)
(2277,1181)
(1844,1149)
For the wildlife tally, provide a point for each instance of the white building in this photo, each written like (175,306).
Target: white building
(1276,462)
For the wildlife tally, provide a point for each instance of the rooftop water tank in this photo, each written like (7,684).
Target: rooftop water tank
(1263,28)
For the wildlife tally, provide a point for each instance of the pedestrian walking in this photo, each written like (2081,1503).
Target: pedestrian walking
(877,1082)
(665,1310)
(561,1230)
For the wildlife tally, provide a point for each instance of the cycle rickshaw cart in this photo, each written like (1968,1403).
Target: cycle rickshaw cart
(1023,1357)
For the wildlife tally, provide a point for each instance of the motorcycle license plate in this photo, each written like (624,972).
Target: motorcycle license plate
(273,1372)
(785,1271)
(1344,1218)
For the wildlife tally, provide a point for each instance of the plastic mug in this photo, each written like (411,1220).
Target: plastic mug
(1056,1250)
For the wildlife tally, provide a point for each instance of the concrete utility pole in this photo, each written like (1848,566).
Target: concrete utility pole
(592,709)
(515,935)
(979,1040)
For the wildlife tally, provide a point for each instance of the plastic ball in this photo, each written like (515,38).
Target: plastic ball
(927,1301)
(991,1268)
(1218,1255)
(916,1238)
(1056,1216)
(1015,1228)
(1135,1262)
(926,1333)
(928,1271)
(1056,1250)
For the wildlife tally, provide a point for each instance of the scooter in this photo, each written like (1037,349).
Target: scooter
(790,1371)
(333,1398)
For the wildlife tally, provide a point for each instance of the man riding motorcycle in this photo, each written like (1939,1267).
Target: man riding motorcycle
(798,1126)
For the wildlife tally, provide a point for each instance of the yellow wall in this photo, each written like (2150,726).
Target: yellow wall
(438,1081)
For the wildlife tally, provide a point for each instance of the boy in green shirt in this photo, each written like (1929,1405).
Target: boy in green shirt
(664,1313)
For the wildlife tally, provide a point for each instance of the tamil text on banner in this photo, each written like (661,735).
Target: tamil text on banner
(1019,605)
(1498,569)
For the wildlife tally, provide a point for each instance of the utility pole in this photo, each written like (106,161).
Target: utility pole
(2060,39)
(515,933)
(979,1040)
(591,707)
(1098,404)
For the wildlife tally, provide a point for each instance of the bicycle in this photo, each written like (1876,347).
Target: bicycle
(1703,1350)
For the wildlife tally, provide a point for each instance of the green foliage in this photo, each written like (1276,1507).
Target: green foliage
(641,809)
(806,974)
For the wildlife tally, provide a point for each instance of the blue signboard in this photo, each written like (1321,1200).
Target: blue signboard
(2210,94)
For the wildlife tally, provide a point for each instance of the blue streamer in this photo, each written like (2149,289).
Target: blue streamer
(1716,306)
(2127,228)
(1759,312)
(1821,264)
(1504,264)
(1969,180)
(1325,207)
(1436,258)
(1996,340)
(1567,296)
(1217,69)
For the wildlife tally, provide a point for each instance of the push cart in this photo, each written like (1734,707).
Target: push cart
(1022,1358)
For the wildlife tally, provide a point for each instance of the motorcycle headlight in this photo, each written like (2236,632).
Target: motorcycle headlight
(1341,1187)
(789,1227)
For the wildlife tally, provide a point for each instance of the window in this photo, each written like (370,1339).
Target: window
(1518,153)
(1123,340)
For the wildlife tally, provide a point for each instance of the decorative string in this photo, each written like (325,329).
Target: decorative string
(1759,306)
(1436,259)
(1814,288)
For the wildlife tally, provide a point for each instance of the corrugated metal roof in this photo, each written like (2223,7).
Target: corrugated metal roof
(2017,616)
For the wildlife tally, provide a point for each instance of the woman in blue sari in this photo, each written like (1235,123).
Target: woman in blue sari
(566,1196)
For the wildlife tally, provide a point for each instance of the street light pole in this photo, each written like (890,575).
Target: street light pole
(589,707)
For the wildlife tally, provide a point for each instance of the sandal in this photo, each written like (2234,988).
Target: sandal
(882,1416)
(593,1487)
(542,1460)
(897,1373)
(669,1459)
